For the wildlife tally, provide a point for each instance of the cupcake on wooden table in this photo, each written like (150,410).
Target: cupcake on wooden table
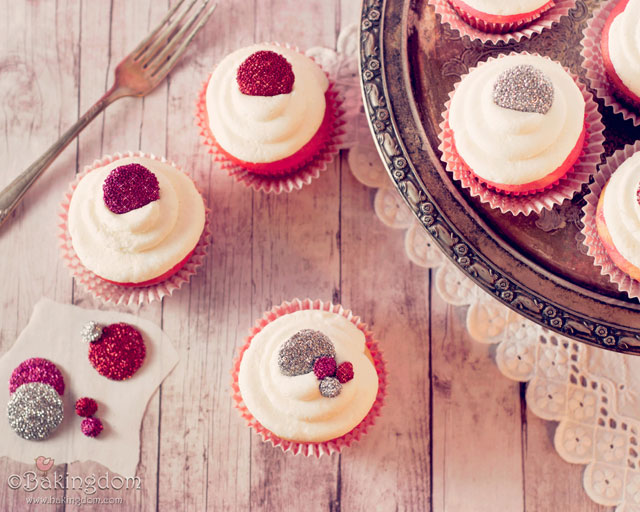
(133,222)
(515,128)
(269,114)
(500,16)
(310,379)
(620,46)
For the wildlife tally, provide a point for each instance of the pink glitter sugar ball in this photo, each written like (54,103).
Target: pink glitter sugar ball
(130,187)
(91,427)
(37,369)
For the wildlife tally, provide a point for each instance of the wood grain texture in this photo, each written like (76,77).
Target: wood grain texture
(454,435)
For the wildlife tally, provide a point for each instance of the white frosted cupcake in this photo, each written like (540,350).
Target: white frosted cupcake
(310,378)
(135,221)
(500,16)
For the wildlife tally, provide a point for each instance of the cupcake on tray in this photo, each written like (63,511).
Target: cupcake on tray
(612,219)
(499,16)
(133,223)
(270,115)
(620,46)
(310,378)
(515,129)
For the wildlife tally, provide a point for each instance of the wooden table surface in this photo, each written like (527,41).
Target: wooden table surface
(455,435)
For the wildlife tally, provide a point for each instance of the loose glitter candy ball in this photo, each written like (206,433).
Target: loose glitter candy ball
(344,372)
(324,367)
(37,369)
(91,332)
(330,387)
(91,427)
(35,411)
(86,407)
(265,73)
(298,354)
(130,187)
(119,352)
(524,88)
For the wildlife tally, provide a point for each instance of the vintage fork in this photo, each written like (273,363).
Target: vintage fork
(137,75)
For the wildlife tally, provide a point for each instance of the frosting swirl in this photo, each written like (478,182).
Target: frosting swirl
(624,46)
(621,209)
(508,8)
(263,129)
(506,146)
(292,407)
(141,244)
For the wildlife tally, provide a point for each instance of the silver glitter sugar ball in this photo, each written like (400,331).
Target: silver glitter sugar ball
(330,387)
(523,88)
(91,332)
(35,411)
(298,353)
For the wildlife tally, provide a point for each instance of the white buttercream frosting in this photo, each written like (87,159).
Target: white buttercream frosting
(508,146)
(506,7)
(142,244)
(292,407)
(621,209)
(624,46)
(262,129)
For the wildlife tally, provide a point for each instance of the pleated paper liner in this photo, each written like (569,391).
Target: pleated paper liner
(546,199)
(595,248)
(116,294)
(307,448)
(594,65)
(298,177)
(450,17)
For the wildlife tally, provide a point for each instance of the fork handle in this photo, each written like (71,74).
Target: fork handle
(11,196)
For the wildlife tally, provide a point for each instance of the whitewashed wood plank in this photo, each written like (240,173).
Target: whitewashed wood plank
(389,468)
(477,451)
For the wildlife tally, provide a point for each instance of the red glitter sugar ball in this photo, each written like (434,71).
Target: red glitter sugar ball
(344,372)
(119,352)
(37,369)
(265,73)
(324,367)
(91,427)
(86,407)
(130,187)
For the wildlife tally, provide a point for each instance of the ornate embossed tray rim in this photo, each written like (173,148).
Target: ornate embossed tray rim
(508,275)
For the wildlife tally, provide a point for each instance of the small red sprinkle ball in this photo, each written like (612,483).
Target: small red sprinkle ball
(119,352)
(344,372)
(265,73)
(86,407)
(91,427)
(130,187)
(324,367)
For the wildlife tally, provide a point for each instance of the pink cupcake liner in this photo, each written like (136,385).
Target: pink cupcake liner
(333,445)
(113,293)
(591,240)
(594,65)
(546,199)
(288,182)
(450,17)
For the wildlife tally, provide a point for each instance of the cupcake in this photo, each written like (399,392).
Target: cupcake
(517,123)
(310,378)
(620,45)
(269,110)
(499,16)
(135,221)
(618,217)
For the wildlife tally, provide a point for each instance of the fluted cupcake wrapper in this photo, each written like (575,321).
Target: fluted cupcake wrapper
(503,32)
(589,232)
(565,188)
(110,292)
(298,177)
(594,65)
(307,448)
